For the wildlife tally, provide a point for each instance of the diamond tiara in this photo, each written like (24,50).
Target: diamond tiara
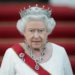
(35,10)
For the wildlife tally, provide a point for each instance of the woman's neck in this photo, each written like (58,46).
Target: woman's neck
(47,53)
(37,52)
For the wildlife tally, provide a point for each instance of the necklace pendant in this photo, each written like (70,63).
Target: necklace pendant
(36,67)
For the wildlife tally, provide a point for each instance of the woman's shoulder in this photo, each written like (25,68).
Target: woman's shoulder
(10,52)
(57,47)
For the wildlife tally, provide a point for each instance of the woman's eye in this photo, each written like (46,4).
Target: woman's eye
(41,30)
(31,30)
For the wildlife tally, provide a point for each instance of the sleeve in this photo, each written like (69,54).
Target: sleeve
(7,64)
(67,65)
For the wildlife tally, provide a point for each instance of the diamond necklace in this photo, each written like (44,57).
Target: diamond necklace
(37,60)
(40,58)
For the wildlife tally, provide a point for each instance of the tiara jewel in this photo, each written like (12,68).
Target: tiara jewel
(35,10)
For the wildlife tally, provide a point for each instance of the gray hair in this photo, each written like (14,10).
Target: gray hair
(49,22)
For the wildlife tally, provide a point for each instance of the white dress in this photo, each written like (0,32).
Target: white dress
(58,64)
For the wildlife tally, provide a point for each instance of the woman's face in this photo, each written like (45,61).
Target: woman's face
(35,34)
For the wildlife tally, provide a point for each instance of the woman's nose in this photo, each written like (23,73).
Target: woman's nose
(36,34)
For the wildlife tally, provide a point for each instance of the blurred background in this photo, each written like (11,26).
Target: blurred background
(63,12)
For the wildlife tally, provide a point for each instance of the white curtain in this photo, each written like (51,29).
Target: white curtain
(69,3)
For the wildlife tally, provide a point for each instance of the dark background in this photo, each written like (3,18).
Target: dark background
(44,1)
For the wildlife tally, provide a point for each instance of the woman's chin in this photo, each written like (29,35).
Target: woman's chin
(36,46)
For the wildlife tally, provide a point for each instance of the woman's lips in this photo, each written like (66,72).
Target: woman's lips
(36,41)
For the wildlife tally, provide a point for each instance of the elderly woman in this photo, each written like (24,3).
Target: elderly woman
(36,56)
